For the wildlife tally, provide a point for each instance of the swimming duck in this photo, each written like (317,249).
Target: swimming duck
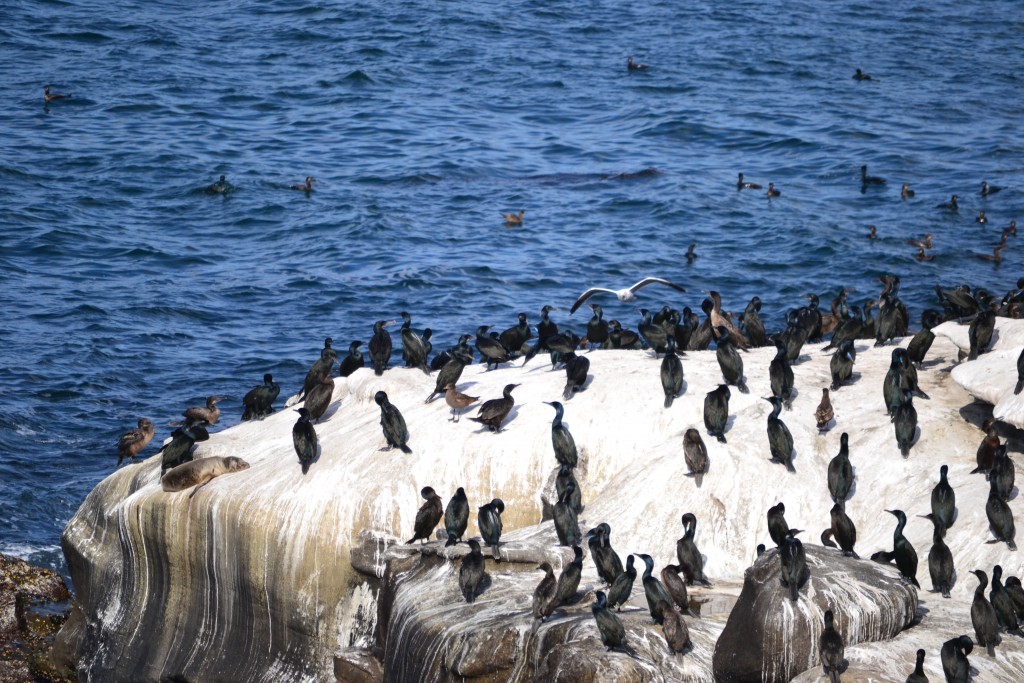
(861,76)
(222,186)
(308,187)
(987,189)
(743,185)
(951,204)
(996,256)
(514,218)
(866,179)
(981,217)
(51,96)
(906,192)
(634,66)
(772,192)
(873,234)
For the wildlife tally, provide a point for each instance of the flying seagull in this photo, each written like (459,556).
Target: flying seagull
(624,294)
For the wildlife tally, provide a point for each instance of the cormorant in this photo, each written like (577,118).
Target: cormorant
(490,348)
(488,519)
(696,455)
(720,319)
(691,253)
(1000,518)
(861,76)
(655,592)
(849,329)
(892,385)
(887,321)
(133,441)
(566,524)
(903,551)
(179,449)
(752,323)
(794,563)
(395,432)
(449,374)
(308,187)
(986,453)
(677,635)
(980,330)
(622,586)
(576,369)
(777,526)
(943,500)
(1002,603)
(780,374)
(222,186)
(471,571)
(1020,374)
(983,616)
(380,346)
(772,192)
(830,648)
(456,517)
(905,192)
(457,401)
(608,625)
(625,295)
(1013,587)
(671,373)
(675,586)
(634,66)
(918,675)
(841,364)
(982,218)
(562,481)
(905,423)
(606,560)
(200,414)
(569,579)
(428,516)
(688,554)
(561,439)
(494,411)
(544,593)
(319,397)
(840,472)
(919,345)
(414,350)
(951,205)
(780,441)
(54,96)
(515,337)
(844,530)
(653,333)
(597,327)
(866,179)
(987,189)
(1002,473)
(716,411)
(259,400)
(619,338)
(304,440)
(955,665)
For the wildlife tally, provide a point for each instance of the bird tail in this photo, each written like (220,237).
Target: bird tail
(432,396)
(793,588)
(991,647)
(698,478)
(247,414)
(425,368)
(450,542)
(305,468)
(668,400)
(742,386)
(833,676)
(1020,385)
(495,553)
(411,540)
(378,370)
(789,465)
(913,580)
(405,449)
(905,450)
(721,437)
(567,394)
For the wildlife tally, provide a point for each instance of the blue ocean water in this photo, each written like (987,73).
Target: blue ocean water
(127,291)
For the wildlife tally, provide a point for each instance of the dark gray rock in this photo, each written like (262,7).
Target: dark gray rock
(770,639)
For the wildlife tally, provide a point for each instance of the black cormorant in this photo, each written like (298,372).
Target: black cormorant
(794,563)
(841,364)
(488,519)
(259,400)
(304,440)
(688,554)
(395,432)
(494,411)
(622,586)
(780,374)
(655,592)
(902,550)
(380,346)
(780,441)
(955,665)
(456,517)
(840,472)
(696,455)
(671,373)
(471,572)
(830,648)
(1000,518)
(566,524)
(844,530)
(943,499)
(983,616)
(716,411)
(428,516)
(569,579)
(613,635)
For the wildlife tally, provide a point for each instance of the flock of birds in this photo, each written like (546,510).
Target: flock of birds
(668,333)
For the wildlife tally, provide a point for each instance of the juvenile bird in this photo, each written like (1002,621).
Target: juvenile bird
(824,413)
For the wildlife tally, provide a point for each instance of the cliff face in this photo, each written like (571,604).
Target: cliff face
(251,579)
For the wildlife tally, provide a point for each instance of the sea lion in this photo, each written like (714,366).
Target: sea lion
(200,472)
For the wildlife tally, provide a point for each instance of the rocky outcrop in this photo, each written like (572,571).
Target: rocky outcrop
(769,638)
(263,574)
(25,631)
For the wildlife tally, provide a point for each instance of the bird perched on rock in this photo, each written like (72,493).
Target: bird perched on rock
(178,450)
(133,441)
(428,516)
(918,676)
(677,635)
(843,530)
(729,360)
(905,423)
(414,349)
(841,365)
(613,635)
(606,560)
(208,414)
(569,579)
(689,556)
(824,413)
(319,398)
(488,519)
(675,586)
(456,517)
(450,373)
(259,400)
(622,586)
(716,411)
(566,524)
(576,369)
(780,440)
(656,594)
(780,374)
(902,550)
(304,440)
(671,373)
(1000,517)
(840,472)
(494,411)
(1002,603)
(986,453)
(983,617)
(471,571)
(457,401)
(625,295)
(777,525)
(794,563)
(830,648)
(544,594)
(943,499)
(940,558)
(561,439)
(380,346)
(395,432)
(955,665)
(696,454)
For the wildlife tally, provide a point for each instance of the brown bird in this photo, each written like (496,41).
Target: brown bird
(675,586)
(428,516)
(823,415)
(308,187)
(457,401)
(922,256)
(677,635)
(696,454)
(996,256)
(50,97)
(210,414)
(1011,230)
(514,218)
(873,234)
(906,192)
(717,319)
(925,243)
(133,441)
(544,594)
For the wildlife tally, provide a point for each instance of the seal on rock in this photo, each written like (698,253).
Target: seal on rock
(200,472)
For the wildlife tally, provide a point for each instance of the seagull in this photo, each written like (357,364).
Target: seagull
(624,295)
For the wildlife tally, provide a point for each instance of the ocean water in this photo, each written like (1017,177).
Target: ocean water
(127,291)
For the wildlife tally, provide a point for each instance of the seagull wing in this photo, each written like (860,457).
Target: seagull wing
(655,280)
(587,294)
